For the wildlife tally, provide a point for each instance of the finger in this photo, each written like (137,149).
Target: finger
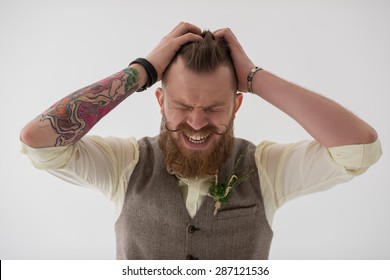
(183,28)
(225,33)
(186,38)
(218,30)
(231,39)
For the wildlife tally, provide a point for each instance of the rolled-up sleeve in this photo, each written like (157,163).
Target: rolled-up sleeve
(287,171)
(356,159)
(101,163)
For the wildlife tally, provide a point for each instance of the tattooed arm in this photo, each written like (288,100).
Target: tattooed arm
(68,120)
(72,117)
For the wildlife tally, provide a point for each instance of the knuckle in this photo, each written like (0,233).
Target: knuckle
(227,30)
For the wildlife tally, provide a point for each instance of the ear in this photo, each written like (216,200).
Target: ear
(238,101)
(160,98)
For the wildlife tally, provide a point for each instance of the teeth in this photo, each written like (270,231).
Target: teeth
(197,139)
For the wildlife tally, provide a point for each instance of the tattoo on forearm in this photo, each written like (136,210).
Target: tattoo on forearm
(73,116)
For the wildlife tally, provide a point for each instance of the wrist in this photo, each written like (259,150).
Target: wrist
(142,75)
(250,76)
(151,73)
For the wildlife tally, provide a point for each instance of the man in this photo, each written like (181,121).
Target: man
(230,187)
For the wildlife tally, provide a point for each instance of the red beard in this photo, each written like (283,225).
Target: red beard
(189,163)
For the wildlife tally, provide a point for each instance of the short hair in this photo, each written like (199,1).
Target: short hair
(205,56)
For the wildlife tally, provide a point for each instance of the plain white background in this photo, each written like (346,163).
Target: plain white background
(51,48)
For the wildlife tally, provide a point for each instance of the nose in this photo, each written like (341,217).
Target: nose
(197,119)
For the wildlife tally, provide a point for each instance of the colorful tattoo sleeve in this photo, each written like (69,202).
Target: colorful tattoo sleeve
(73,116)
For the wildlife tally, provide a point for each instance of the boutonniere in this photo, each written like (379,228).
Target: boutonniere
(220,190)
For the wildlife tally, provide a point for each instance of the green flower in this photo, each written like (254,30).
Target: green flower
(220,191)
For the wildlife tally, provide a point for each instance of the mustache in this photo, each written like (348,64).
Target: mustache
(208,129)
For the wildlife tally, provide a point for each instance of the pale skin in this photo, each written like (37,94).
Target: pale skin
(327,122)
(72,117)
(198,100)
(65,123)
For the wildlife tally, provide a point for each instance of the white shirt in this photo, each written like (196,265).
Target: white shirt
(286,171)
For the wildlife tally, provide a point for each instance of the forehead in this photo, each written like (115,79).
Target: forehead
(198,89)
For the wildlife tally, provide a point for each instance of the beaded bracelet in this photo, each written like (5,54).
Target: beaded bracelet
(250,77)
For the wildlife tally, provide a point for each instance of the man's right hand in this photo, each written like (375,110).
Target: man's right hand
(166,50)
(69,119)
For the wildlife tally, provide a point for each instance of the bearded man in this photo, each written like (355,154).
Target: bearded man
(230,187)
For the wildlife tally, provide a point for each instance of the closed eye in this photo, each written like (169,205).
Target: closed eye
(183,108)
(180,107)
(214,109)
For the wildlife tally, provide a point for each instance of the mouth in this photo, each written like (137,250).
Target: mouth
(197,139)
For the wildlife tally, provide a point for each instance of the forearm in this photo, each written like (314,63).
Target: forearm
(326,121)
(72,117)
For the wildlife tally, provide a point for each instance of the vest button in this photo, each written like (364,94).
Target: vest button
(191,257)
(192,229)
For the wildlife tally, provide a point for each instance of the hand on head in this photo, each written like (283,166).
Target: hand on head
(241,61)
(184,33)
(165,51)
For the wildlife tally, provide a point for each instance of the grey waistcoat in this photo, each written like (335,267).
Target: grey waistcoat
(154,223)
